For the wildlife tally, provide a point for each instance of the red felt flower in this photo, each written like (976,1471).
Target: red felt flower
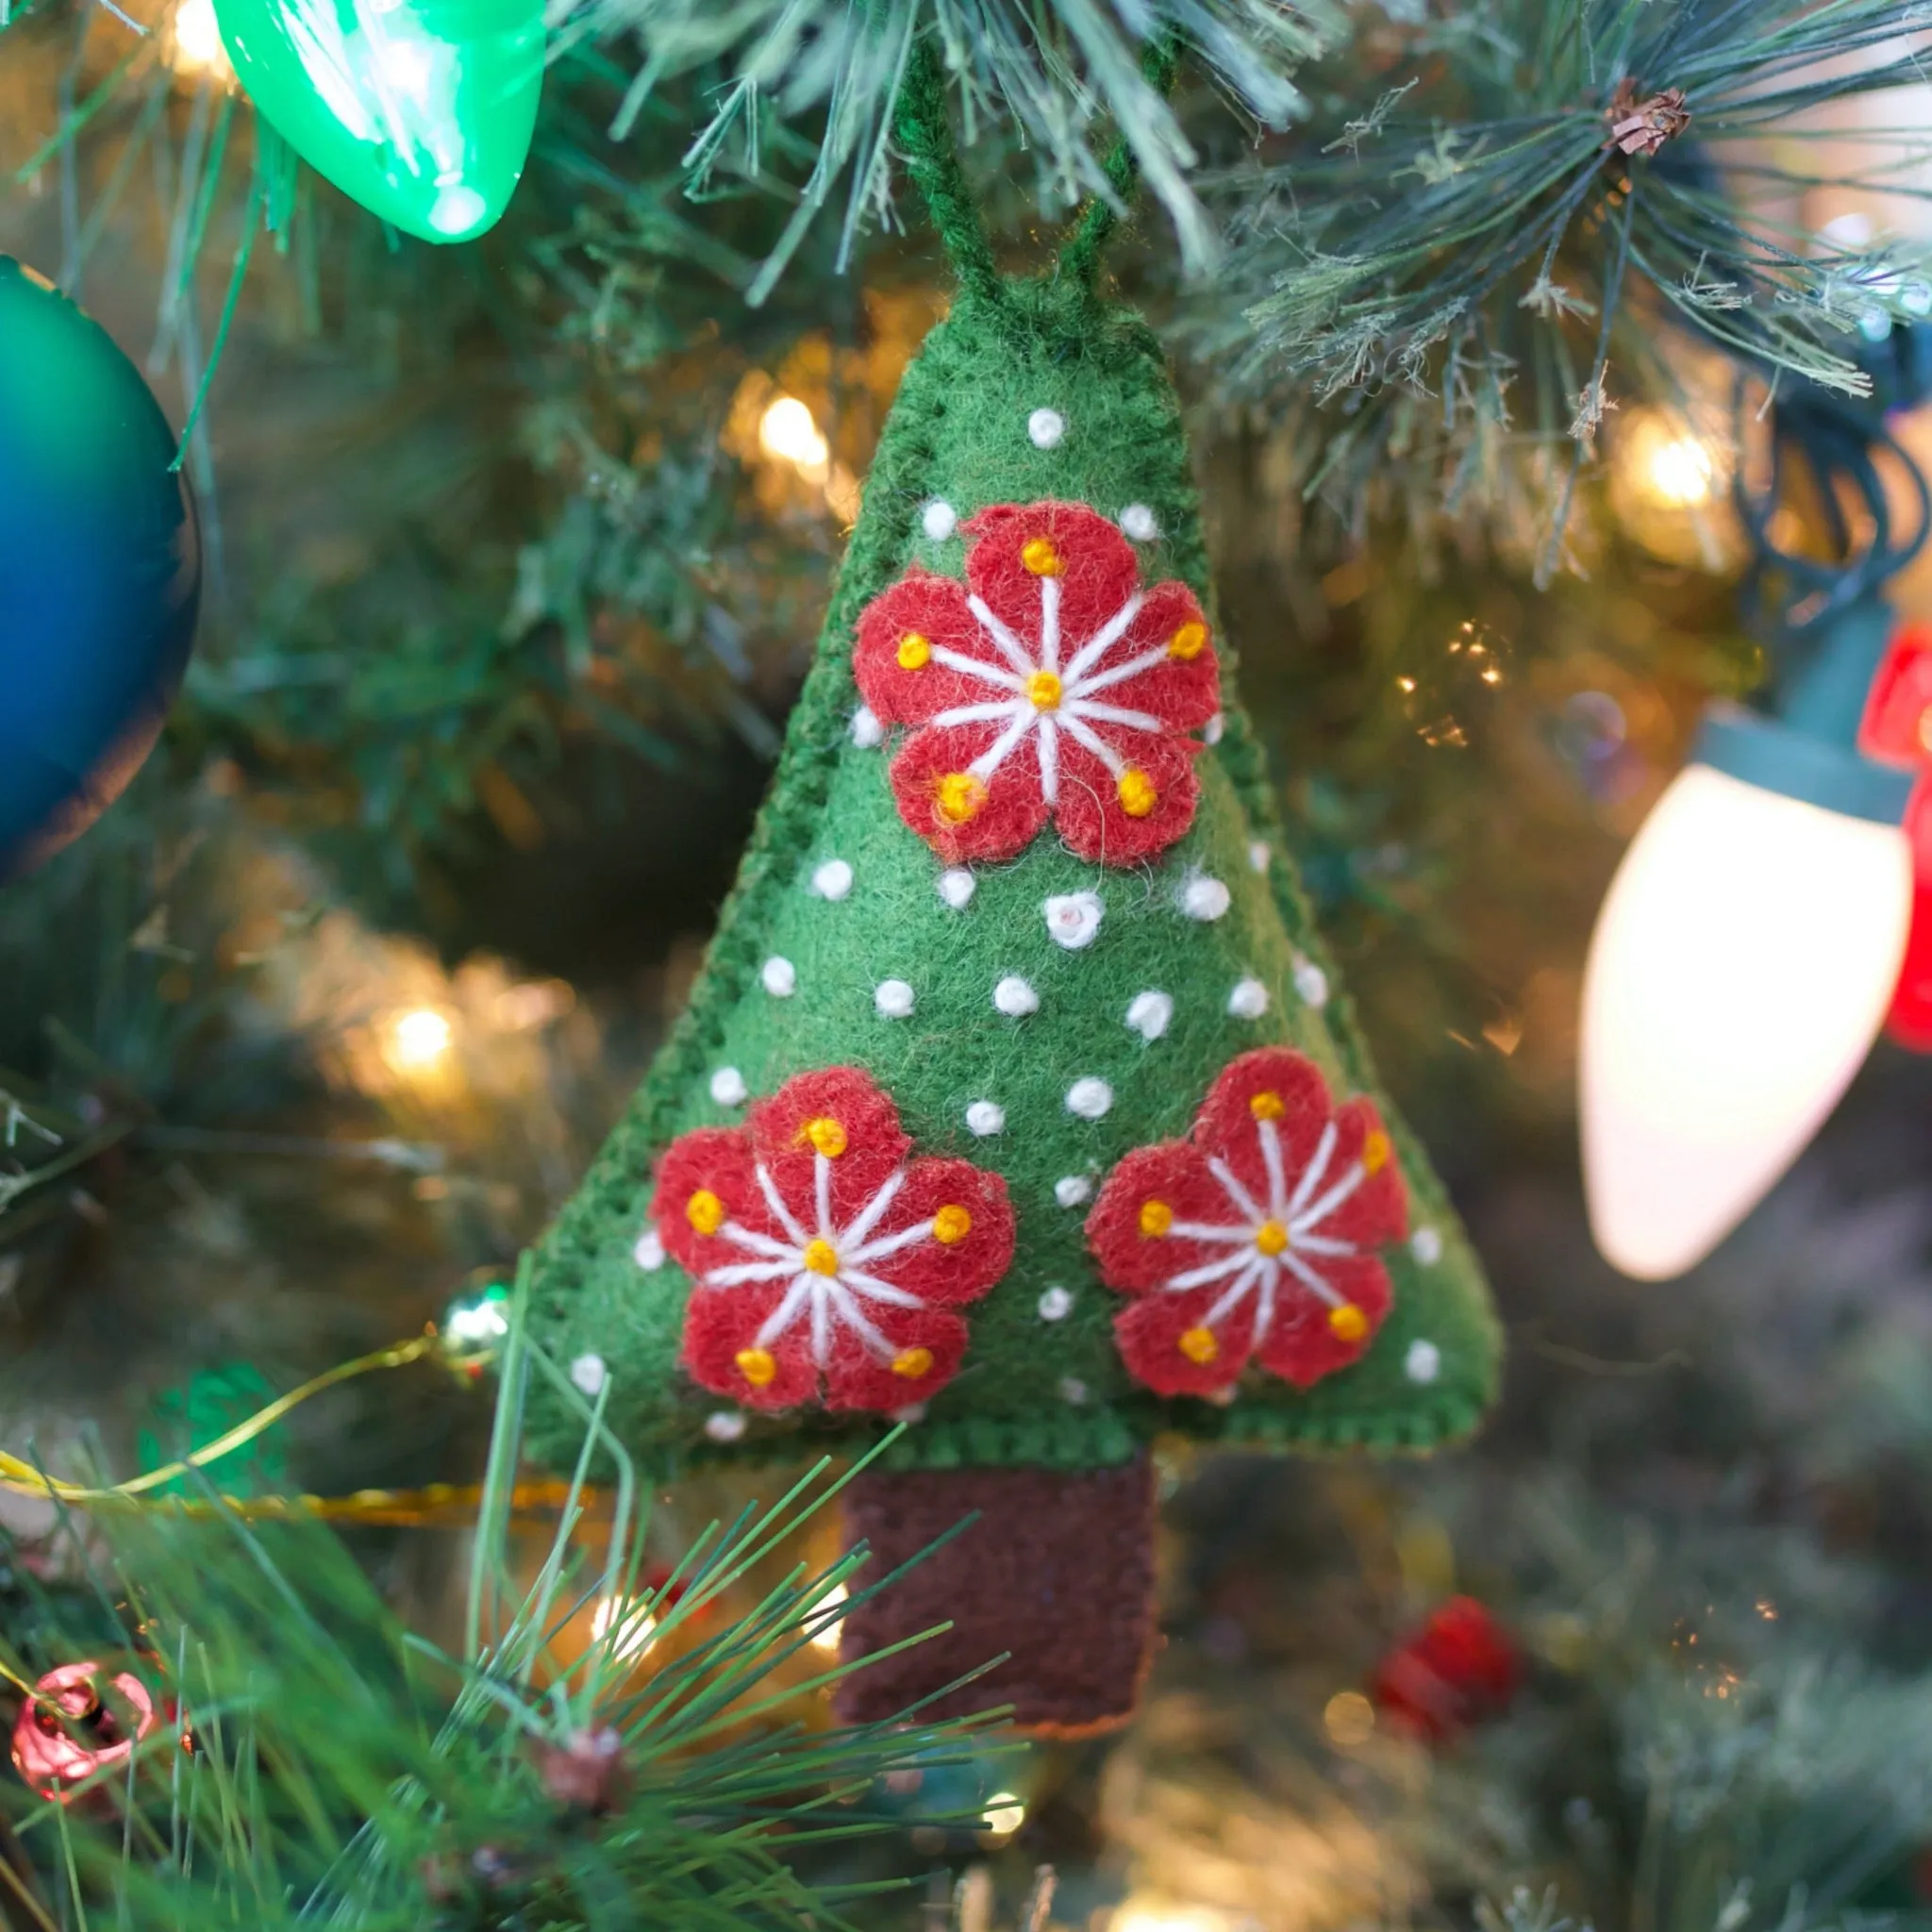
(1460,1666)
(1048,685)
(1255,1235)
(825,1261)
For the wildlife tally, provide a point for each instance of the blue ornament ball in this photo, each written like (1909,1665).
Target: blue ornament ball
(100,570)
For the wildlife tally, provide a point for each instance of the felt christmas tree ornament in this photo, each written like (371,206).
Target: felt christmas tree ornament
(1016,1100)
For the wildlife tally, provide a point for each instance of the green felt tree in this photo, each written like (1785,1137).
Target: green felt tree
(1016,1100)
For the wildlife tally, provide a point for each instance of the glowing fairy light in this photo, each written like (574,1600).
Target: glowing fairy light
(1006,1812)
(1681,473)
(788,430)
(826,1638)
(196,38)
(1665,464)
(628,1628)
(1349,1719)
(1162,1915)
(420,1040)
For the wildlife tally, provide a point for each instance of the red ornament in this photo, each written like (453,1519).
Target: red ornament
(1049,685)
(1255,1235)
(826,1261)
(1459,1667)
(1897,730)
(68,1731)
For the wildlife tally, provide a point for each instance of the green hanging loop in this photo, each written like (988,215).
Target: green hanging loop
(926,144)
(1095,226)
(924,134)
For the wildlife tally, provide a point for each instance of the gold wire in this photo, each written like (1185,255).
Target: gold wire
(436,1502)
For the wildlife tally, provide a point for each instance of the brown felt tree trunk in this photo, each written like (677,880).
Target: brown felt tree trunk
(1058,1572)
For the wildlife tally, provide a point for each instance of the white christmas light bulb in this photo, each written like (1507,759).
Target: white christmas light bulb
(1741,967)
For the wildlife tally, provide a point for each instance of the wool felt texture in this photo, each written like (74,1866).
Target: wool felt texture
(1051,1099)
(1050,685)
(826,1261)
(1057,1570)
(1258,1236)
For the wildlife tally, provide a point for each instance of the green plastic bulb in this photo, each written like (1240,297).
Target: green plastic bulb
(420,109)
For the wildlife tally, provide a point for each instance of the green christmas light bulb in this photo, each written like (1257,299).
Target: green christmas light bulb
(422,111)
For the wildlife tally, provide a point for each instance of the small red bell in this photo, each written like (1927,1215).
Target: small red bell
(68,1731)
(1459,1667)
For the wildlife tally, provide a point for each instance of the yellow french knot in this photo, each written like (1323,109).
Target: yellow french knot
(1270,1238)
(705,1211)
(757,1366)
(915,652)
(1044,690)
(950,1224)
(1199,1345)
(912,1363)
(1156,1217)
(1188,642)
(1267,1105)
(826,1135)
(960,796)
(821,1256)
(1138,795)
(1040,558)
(1348,1322)
(1376,1151)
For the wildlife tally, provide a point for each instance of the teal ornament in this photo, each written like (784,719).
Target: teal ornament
(100,570)
(422,111)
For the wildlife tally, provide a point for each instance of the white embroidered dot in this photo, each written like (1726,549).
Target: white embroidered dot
(913,1412)
(780,977)
(1073,1390)
(588,1373)
(1425,1244)
(1424,1361)
(833,879)
(1214,730)
(1073,1191)
(1090,1098)
(939,520)
(1073,919)
(866,729)
(649,1252)
(724,1425)
(986,1117)
(1056,1305)
(956,888)
(1140,523)
(728,1087)
(1046,428)
(893,998)
(1310,981)
(1149,1013)
(1204,898)
(1015,998)
(1259,855)
(1249,999)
